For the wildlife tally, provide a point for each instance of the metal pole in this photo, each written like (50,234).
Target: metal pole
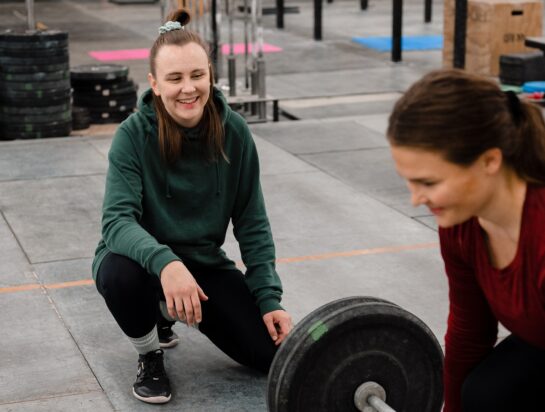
(246,45)
(231,62)
(261,89)
(379,404)
(364,4)
(214,46)
(397,22)
(253,71)
(460,29)
(427,11)
(317,19)
(30,14)
(279,14)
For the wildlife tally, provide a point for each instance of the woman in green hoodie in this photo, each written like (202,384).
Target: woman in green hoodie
(180,170)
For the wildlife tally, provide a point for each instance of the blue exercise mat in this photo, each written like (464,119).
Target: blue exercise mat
(408,43)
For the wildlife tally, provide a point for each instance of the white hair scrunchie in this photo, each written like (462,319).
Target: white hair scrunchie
(169,26)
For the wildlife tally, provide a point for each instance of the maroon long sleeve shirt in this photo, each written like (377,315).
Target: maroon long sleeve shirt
(481,295)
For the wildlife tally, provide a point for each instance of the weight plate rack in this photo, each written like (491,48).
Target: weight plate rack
(105,91)
(35,90)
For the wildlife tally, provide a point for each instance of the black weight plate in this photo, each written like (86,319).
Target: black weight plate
(99,72)
(35,127)
(34,86)
(33,36)
(41,134)
(96,86)
(79,111)
(300,331)
(34,110)
(102,118)
(30,46)
(38,61)
(105,103)
(34,68)
(35,53)
(99,111)
(351,342)
(36,76)
(43,102)
(36,118)
(25,96)
(107,92)
(81,124)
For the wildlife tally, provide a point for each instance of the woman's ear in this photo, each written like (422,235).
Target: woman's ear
(492,160)
(153,84)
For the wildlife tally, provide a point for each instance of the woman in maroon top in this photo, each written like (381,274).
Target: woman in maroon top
(475,156)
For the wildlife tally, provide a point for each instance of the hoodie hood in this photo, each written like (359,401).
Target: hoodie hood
(147,109)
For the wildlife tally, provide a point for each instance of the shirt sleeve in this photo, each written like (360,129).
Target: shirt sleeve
(122,209)
(253,232)
(472,328)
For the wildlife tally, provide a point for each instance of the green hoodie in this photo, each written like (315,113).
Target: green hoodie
(155,214)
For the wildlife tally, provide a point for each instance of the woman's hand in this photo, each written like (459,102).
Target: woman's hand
(183,294)
(278,323)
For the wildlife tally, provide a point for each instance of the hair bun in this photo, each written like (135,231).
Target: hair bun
(182,16)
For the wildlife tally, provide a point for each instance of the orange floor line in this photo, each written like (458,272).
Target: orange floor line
(373,251)
(323,256)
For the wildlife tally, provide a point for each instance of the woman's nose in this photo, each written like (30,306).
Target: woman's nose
(417,197)
(188,87)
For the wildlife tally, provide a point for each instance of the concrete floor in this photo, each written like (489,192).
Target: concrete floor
(340,215)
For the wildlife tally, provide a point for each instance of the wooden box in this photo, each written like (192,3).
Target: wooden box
(494,27)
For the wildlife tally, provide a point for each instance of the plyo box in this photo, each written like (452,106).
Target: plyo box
(494,27)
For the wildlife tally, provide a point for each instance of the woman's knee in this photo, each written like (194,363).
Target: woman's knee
(118,273)
(482,394)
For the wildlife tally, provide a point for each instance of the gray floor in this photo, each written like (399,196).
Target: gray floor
(340,215)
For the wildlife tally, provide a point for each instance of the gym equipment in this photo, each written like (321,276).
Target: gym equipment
(518,68)
(357,353)
(535,42)
(81,118)
(105,91)
(231,62)
(34,84)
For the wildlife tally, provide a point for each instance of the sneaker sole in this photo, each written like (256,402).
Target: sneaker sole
(169,344)
(155,399)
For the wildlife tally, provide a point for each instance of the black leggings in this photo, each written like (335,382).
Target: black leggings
(511,378)
(230,317)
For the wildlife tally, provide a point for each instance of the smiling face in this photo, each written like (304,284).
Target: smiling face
(182,81)
(453,193)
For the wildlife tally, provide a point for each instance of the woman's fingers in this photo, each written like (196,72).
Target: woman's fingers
(202,295)
(180,309)
(197,311)
(183,294)
(171,308)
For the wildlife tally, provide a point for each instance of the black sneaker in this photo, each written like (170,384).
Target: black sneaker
(167,337)
(152,384)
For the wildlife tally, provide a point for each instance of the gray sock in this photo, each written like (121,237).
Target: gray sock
(146,343)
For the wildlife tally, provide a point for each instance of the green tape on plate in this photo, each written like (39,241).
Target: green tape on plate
(317,330)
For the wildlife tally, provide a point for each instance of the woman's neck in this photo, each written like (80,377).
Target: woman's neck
(503,213)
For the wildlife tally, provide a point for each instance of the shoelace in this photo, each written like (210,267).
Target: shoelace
(152,365)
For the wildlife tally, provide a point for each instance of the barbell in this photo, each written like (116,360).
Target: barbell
(357,354)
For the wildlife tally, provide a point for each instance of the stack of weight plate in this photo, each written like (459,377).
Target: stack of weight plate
(105,90)
(34,84)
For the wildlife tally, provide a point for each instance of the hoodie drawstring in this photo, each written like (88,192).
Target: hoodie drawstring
(167,188)
(218,188)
